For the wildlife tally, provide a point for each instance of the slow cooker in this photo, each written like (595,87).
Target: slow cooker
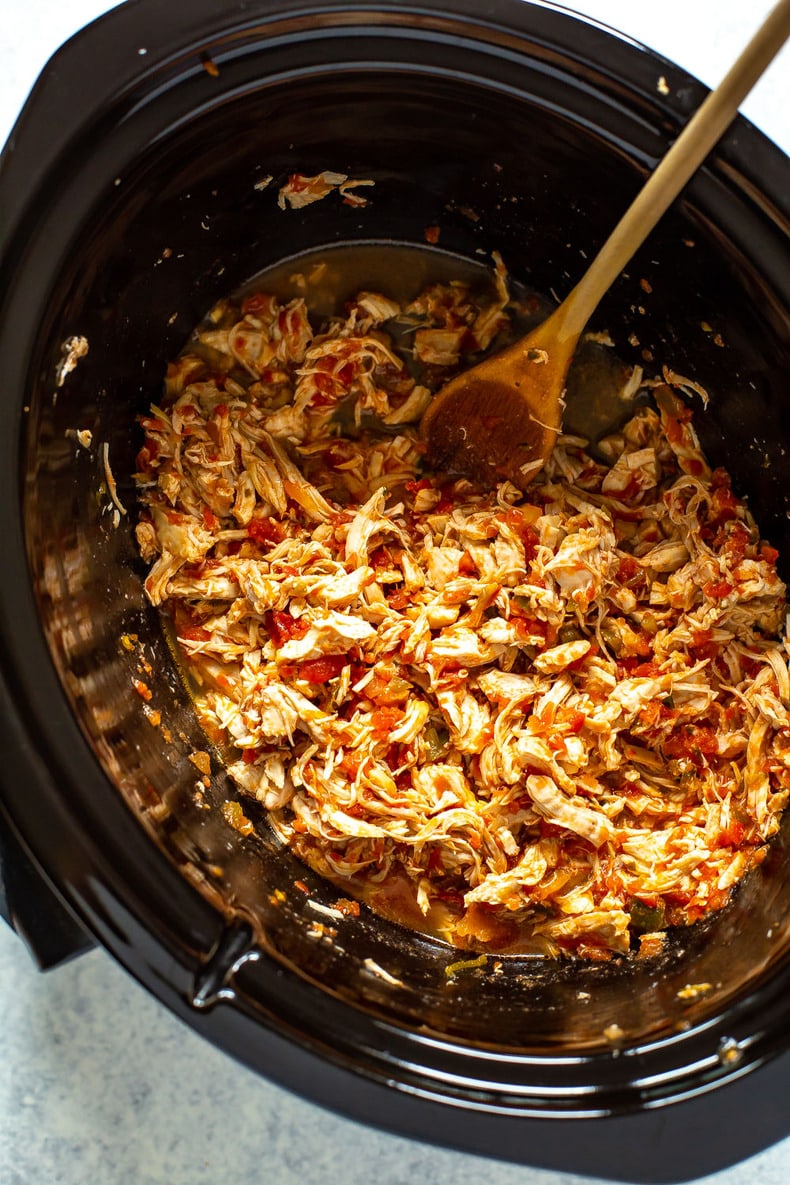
(130,200)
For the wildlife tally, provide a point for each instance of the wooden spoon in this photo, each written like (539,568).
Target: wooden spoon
(500,419)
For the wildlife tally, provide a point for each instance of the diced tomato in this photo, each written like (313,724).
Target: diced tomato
(381,557)
(717,590)
(348,907)
(703,646)
(532,625)
(650,713)
(384,720)
(633,668)
(732,836)
(351,763)
(647,670)
(718,898)
(321,670)
(266,530)
(466,565)
(628,569)
(655,712)
(769,554)
(250,756)
(398,600)
(194,633)
(705,740)
(736,544)
(695,742)
(573,720)
(282,627)
(210,520)
(414,487)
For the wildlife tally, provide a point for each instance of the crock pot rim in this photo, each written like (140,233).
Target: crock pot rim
(76,80)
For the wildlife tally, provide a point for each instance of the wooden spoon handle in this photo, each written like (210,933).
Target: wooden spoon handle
(684,157)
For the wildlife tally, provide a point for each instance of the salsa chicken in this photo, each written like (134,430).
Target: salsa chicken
(554,722)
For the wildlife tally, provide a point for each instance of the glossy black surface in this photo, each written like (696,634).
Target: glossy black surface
(127,205)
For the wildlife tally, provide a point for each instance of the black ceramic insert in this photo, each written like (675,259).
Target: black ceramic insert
(129,204)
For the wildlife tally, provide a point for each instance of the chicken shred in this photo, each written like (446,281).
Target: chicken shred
(553,722)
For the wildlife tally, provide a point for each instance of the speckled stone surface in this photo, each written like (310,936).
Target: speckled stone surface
(99,1085)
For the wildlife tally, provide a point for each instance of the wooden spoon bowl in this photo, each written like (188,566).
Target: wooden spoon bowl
(500,419)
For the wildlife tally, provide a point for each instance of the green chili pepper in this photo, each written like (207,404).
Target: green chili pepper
(647,918)
(437,740)
(570,633)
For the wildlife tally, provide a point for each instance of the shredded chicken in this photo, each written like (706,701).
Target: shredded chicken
(300,190)
(548,722)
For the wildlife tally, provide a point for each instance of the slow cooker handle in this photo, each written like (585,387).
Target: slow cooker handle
(42,921)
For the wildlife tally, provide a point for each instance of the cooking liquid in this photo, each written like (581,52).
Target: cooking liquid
(328,277)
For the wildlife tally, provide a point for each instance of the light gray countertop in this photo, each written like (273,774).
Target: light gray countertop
(99,1084)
